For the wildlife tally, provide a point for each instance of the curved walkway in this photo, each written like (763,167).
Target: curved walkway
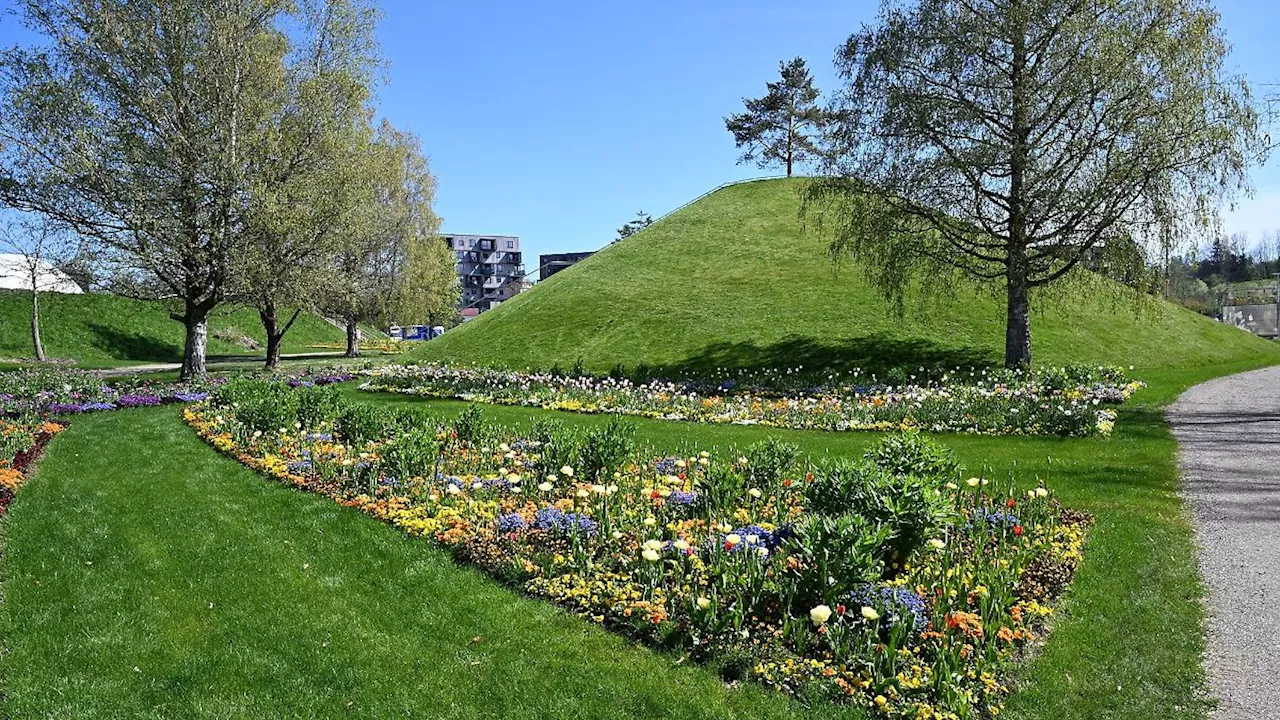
(1228,433)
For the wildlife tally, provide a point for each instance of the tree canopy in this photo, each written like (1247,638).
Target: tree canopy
(1011,140)
(781,127)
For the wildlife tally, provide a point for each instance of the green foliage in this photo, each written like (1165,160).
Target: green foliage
(914,453)
(605,448)
(412,453)
(837,553)
(360,424)
(470,425)
(769,461)
(950,153)
(318,405)
(557,445)
(781,127)
(909,507)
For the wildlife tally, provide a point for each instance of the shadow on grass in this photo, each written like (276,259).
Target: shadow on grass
(133,346)
(878,353)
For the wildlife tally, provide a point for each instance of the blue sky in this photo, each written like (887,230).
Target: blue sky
(557,121)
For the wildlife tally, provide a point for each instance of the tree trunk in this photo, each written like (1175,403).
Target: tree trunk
(196,322)
(275,334)
(788,165)
(1017,333)
(267,313)
(353,339)
(35,326)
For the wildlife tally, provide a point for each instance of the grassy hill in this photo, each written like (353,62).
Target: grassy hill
(734,280)
(99,329)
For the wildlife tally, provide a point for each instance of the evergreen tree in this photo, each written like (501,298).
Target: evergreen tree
(780,127)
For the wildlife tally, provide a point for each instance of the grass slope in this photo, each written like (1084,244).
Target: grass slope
(735,281)
(148,577)
(100,329)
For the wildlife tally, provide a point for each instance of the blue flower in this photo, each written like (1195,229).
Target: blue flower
(511,522)
(556,521)
(681,497)
(893,603)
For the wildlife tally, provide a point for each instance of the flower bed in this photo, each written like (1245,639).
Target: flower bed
(1061,401)
(72,392)
(889,582)
(21,442)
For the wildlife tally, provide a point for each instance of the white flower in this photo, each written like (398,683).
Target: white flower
(680,545)
(870,613)
(651,555)
(1042,492)
(952,486)
(598,489)
(650,522)
(754,492)
(972,482)
(820,614)
(545,487)
(567,471)
(937,544)
(732,539)
(704,603)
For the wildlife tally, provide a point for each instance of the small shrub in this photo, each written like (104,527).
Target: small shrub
(911,453)
(318,405)
(359,424)
(910,507)
(605,448)
(470,425)
(557,446)
(837,554)
(769,461)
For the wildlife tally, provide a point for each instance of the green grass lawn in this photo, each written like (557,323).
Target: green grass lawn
(132,528)
(735,280)
(101,330)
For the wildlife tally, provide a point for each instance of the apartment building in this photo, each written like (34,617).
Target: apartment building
(490,268)
(549,265)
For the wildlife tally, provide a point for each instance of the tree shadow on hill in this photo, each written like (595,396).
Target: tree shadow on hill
(878,353)
(133,346)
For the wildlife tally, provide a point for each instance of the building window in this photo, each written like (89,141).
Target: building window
(511,244)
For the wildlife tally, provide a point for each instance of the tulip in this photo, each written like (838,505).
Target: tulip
(704,603)
(820,614)
(651,555)
(870,613)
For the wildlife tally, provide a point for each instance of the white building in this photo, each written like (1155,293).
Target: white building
(15,275)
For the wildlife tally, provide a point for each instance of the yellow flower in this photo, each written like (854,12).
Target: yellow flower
(545,487)
(937,544)
(870,613)
(567,471)
(820,614)
(651,555)
(972,482)
(704,603)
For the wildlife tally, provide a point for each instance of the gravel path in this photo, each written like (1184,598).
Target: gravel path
(1228,433)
